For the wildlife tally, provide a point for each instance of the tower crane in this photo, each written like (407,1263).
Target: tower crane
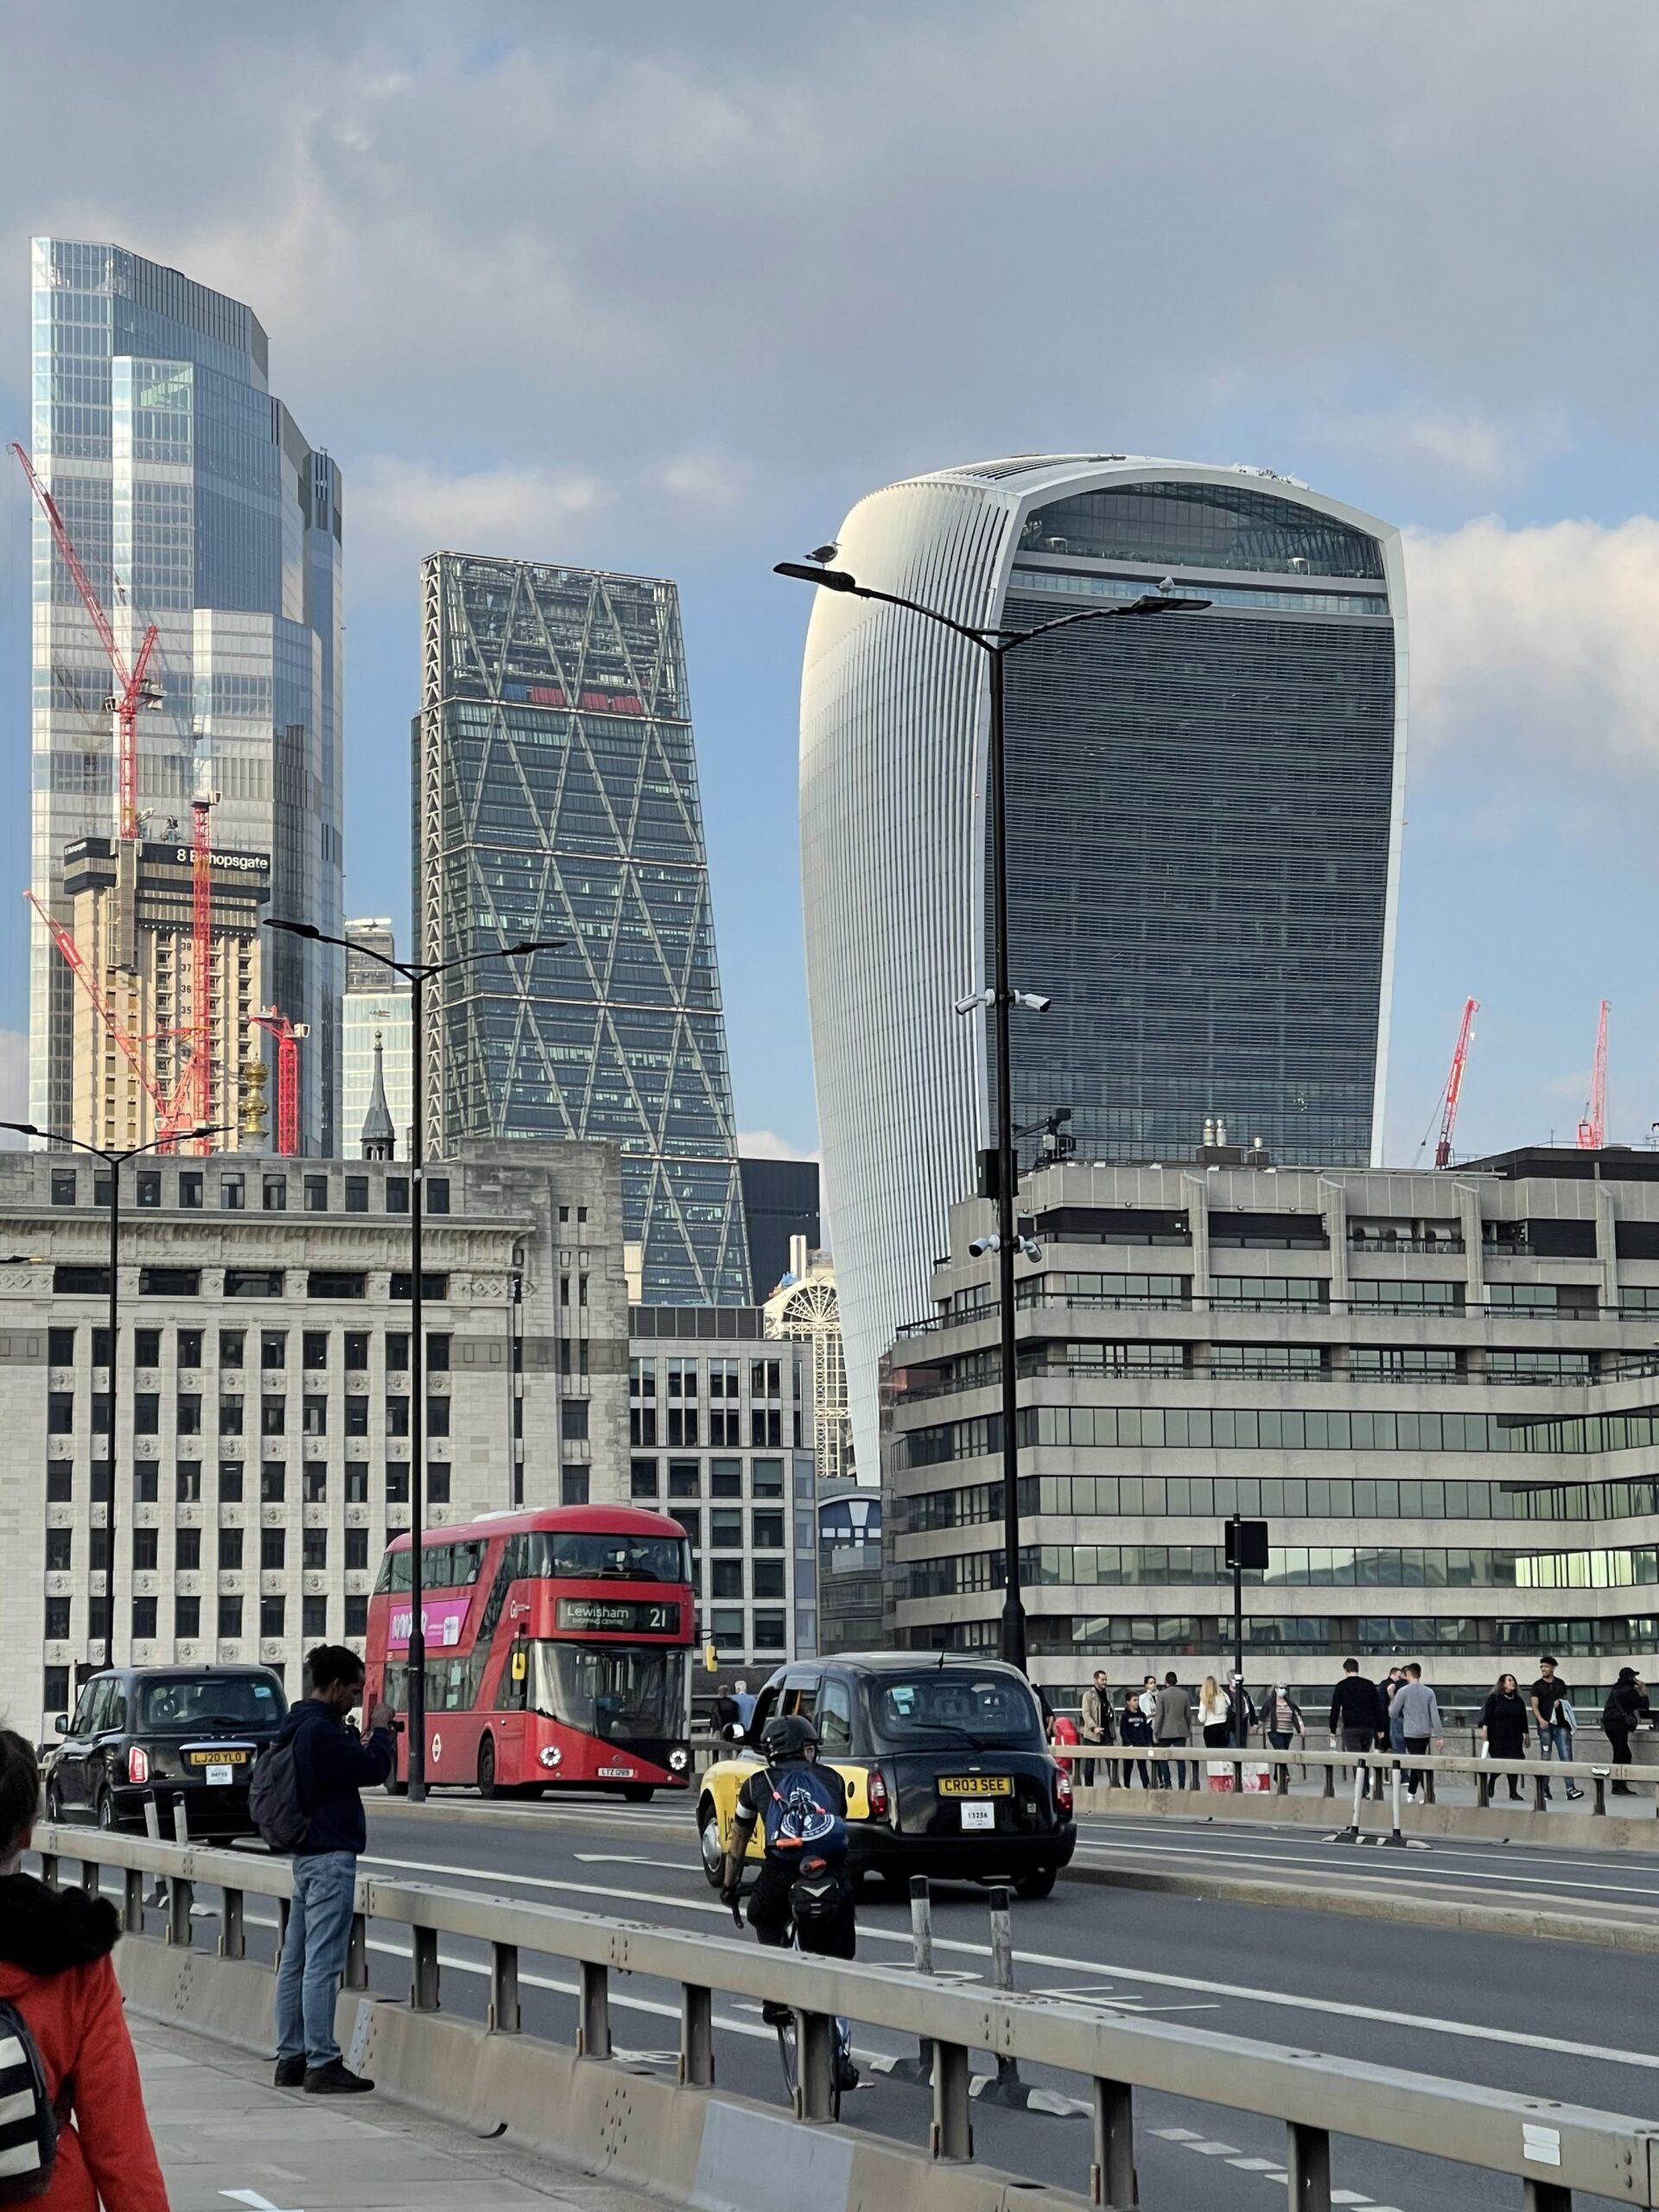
(1592,1129)
(286,1035)
(1453,1090)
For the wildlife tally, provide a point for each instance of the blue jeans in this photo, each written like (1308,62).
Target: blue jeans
(1160,1767)
(314,1956)
(1556,1743)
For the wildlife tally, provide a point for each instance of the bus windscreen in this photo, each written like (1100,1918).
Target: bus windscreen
(620,1696)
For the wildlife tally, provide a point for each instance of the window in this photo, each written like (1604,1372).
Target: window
(147,1481)
(313,1348)
(725,1626)
(356,1194)
(229,1550)
(357,1485)
(187,1413)
(765,1425)
(833,1717)
(186,1550)
(145,1542)
(273,1482)
(187,1481)
(188,1348)
(690,1520)
(768,1577)
(273,1550)
(335,1282)
(187,1617)
(314,1549)
(146,1347)
(314,1416)
(150,1187)
(143,1619)
(168,1282)
(61,1347)
(272,1613)
(684,1479)
(60,1413)
(726,1530)
(233,1193)
(397,1352)
(275,1189)
(230,1416)
(725,1579)
(313,1616)
(397,1416)
(436,1190)
(437,1481)
(434,1286)
(397,1194)
(573,1420)
(357,1352)
(769,1631)
(768,1531)
(190,1193)
(63,1187)
(60,1481)
(357,1416)
(54,1694)
(356,1616)
(724,1478)
(253,1282)
(437,1354)
(57,1620)
(357,1551)
(81,1282)
(231,1342)
(573,1486)
(101,1414)
(316,1194)
(230,1482)
(642,1479)
(397,1483)
(273,1350)
(59,1550)
(766,1478)
(313,1481)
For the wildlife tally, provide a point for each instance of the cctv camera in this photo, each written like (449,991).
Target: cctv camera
(1033,1002)
(1031,1249)
(975,1000)
(981,1245)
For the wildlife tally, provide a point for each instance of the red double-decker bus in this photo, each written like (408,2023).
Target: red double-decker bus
(555,1650)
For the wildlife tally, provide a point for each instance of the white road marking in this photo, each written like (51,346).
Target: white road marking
(251,2198)
(1295,1851)
(1106,1968)
(1214,2150)
(1258,2166)
(1280,1866)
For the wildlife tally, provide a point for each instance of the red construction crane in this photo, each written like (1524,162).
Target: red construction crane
(191,1104)
(1453,1090)
(125,1043)
(286,1035)
(1593,1130)
(133,687)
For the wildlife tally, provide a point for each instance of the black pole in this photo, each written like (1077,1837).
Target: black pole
(1014,1609)
(416,1414)
(114,1166)
(1241,1726)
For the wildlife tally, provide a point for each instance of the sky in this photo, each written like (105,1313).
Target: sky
(665,290)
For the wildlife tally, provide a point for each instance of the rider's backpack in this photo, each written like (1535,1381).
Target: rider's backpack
(30,2121)
(802,1818)
(274,1799)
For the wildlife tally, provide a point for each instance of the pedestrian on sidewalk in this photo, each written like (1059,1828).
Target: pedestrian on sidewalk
(1503,1727)
(55,1970)
(1552,1711)
(1357,1714)
(1215,1714)
(1172,1723)
(331,1765)
(1420,1721)
(1627,1704)
(1137,1729)
(1098,1725)
(1284,1719)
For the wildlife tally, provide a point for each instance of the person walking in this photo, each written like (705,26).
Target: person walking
(743,1699)
(331,1767)
(1503,1727)
(1419,1721)
(1098,1725)
(1357,1714)
(1282,1718)
(55,1973)
(1215,1714)
(1552,1711)
(1627,1703)
(1137,1729)
(1172,1722)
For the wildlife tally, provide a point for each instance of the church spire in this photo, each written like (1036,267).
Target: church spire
(380,1138)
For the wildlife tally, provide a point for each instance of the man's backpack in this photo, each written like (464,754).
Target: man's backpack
(30,2122)
(801,1817)
(274,1799)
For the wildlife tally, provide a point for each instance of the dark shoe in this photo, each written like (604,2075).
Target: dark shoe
(1622,1789)
(846,2073)
(1515,1794)
(1572,1795)
(336,2079)
(290,2073)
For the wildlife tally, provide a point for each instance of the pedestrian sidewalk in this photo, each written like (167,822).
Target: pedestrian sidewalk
(225,2137)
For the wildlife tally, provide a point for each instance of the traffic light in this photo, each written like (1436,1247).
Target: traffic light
(1247,1543)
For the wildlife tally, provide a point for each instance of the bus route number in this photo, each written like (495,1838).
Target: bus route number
(620,1616)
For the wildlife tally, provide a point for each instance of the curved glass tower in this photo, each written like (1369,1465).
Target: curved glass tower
(1204,824)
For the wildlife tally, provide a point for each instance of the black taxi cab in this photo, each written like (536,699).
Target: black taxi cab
(946,1762)
(168,1736)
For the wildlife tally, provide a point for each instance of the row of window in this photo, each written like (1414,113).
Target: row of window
(1107,1428)
(1281,1497)
(1309,1294)
(273,1415)
(720,1429)
(234,1188)
(186,1549)
(73,1280)
(233,1348)
(314,1478)
(726,1527)
(681,1378)
(723,1479)
(1402,1362)
(1137,1635)
(1309,1566)
(272,1616)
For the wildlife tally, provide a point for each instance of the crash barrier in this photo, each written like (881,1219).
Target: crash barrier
(593,2107)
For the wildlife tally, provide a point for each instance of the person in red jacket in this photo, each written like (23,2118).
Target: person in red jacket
(55,1968)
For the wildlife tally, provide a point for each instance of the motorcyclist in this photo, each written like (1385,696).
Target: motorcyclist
(789,1819)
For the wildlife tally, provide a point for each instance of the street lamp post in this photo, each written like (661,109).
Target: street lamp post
(418,974)
(996,645)
(115,1160)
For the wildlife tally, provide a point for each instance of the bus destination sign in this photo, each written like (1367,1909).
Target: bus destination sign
(620,1616)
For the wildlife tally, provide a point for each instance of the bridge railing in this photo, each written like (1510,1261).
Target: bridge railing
(1554,2149)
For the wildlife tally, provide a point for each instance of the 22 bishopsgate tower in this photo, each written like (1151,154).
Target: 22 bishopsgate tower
(194,506)
(1203,833)
(556,798)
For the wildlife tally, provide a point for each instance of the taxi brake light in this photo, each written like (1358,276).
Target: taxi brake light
(1063,1790)
(876,1790)
(137,1763)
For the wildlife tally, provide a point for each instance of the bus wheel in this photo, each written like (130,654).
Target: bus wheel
(486,1767)
(639,1793)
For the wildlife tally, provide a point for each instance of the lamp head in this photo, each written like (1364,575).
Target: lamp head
(308,930)
(830,579)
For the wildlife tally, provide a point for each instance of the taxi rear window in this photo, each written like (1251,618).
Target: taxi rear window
(221,1701)
(954,1705)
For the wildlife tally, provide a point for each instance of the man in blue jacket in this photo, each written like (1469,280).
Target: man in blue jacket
(331,1765)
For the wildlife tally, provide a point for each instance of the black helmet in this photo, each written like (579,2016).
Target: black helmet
(788,1736)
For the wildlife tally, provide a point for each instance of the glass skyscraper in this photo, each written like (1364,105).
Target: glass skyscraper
(1203,819)
(196,504)
(555,795)
(376,1006)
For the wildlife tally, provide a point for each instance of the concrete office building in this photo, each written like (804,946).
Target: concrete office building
(263,1406)
(196,504)
(556,796)
(375,1004)
(1203,827)
(1442,1392)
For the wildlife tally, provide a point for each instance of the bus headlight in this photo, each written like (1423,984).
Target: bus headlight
(550,1755)
(678,1759)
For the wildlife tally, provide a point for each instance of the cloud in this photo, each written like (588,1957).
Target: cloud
(1431,443)
(14,1084)
(765,1144)
(401,509)
(1538,644)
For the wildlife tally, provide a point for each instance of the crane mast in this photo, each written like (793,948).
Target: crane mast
(286,1034)
(1592,1129)
(1453,1091)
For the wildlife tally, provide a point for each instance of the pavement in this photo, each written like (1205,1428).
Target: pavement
(225,2137)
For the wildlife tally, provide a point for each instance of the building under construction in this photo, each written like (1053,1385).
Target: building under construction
(136,1025)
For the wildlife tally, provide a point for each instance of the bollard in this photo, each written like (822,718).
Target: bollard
(181,1822)
(1394,1837)
(1350,1833)
(152,1819)
(919,2069)
(1007,2087)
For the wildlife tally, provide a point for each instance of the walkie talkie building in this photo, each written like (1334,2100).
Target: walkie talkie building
(1203,820)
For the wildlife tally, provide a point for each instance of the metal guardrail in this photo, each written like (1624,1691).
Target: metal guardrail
(1554,2148)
